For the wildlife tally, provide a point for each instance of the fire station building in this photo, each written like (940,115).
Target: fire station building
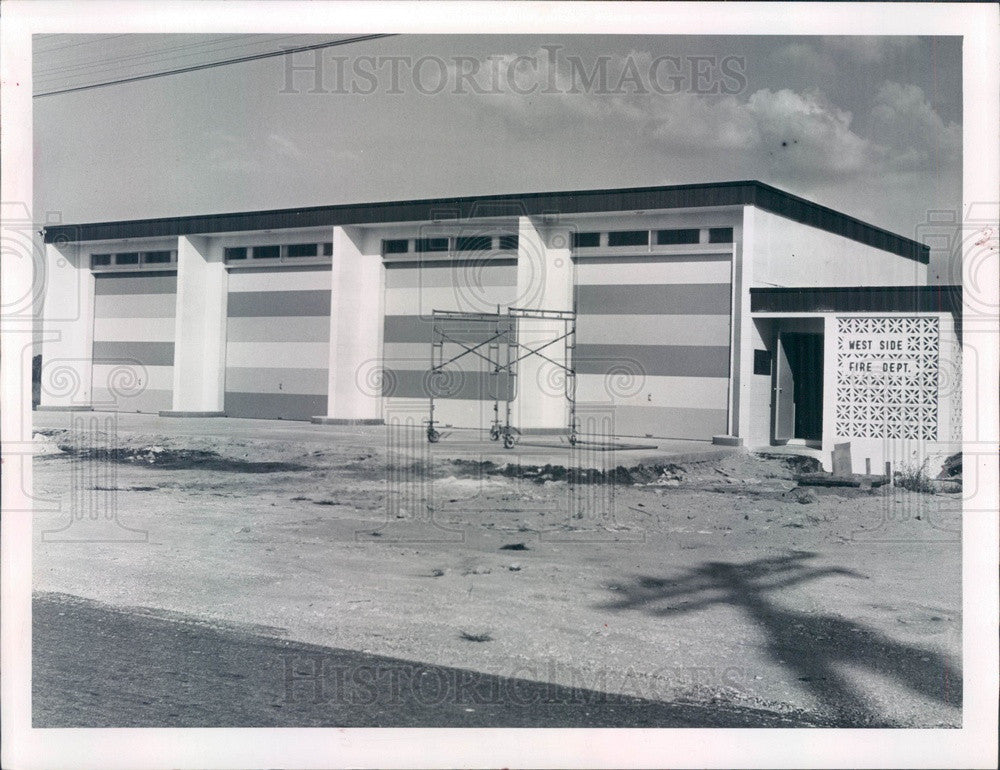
(729,312)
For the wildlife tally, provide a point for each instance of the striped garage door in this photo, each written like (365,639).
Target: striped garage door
(413,291)
(134,341)
(653,339)
(277,342)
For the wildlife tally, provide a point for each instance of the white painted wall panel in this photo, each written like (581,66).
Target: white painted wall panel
(424,300)
(278,280)
(123,329)
(787,253)
(632,270)
(135,305)
(278,354)
(144,377)
(656,391)
(286,329)
(654,330)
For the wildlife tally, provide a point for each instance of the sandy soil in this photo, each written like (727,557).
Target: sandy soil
(713,582)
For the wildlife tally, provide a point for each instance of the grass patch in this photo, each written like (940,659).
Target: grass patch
(914,478)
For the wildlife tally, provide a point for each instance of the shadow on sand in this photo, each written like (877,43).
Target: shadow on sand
(814,648)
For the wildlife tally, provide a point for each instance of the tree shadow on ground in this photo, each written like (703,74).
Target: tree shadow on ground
(814,648)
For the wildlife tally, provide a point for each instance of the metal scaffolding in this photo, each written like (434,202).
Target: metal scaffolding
(501,350)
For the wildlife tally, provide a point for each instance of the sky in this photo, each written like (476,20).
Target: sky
(867,125)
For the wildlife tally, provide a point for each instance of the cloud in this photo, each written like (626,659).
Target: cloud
(903,119)
(791,135)
(227,152)
(804,136)
(868,49)
(804,62)
(283,147)
(827,55)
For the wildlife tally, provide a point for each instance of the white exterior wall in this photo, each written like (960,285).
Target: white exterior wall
(778,252)
(787,253)
(68,339)
(757,391)
(544,281)
(356,318)
(200,330)
(745,337)
(768,250)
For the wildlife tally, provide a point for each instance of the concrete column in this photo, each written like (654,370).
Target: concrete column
(356,317)
(200,329)
(829,437)
(741,384)
(544,281)
(68,326)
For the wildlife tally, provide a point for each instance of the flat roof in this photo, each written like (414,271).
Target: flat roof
(744,193)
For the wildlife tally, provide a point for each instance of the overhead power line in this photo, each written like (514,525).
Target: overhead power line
(49,49)
(209,65)
(162,56)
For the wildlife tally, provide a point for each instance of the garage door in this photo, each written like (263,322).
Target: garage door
(653,340)
(413,291)
(277,342)
(134,341)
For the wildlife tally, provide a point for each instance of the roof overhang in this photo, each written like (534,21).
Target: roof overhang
(745,193)
(858,299)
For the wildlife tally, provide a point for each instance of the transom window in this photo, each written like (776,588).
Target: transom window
(395,246)
(507,242)
(275,252)
(586,240)
(134,260)
(447,243)
(423,245)
(473,243)
(676,237)
(628,238)
(303,250)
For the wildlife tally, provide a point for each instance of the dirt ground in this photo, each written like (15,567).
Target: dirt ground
(703,582)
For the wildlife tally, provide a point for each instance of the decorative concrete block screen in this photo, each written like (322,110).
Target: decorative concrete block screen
(887,377)
(653,340)
(278,342)
(134,341)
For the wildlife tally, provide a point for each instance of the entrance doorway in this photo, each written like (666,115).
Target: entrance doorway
(797,388)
